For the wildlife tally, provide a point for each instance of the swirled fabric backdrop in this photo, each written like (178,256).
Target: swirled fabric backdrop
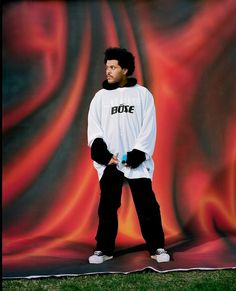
(185,54)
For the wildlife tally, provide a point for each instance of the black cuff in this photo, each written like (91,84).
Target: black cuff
(135,158)
(99,152)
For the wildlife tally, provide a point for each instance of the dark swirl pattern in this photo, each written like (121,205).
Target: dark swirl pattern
(52,67)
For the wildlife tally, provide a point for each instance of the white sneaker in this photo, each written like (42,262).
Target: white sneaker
(161,256)
(98,257)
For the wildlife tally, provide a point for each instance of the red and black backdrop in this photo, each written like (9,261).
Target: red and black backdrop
(52,54)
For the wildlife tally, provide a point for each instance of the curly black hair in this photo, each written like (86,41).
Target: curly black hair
(125,58)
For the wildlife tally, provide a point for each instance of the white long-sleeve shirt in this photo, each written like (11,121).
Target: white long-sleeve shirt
(125,118)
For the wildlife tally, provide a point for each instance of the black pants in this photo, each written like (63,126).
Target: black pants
(147,208)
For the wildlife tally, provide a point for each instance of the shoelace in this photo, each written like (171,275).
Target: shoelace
(160,252)
(98,253)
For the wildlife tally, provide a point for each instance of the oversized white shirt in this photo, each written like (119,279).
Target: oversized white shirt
(125,118)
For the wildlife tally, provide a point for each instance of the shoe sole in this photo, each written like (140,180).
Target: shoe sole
(95,261)
(160,260)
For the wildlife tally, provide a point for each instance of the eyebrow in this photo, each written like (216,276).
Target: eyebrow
(106,66)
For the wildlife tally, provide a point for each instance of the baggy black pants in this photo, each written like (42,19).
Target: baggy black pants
(147,208)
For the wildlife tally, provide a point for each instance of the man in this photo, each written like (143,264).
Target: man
(122,134)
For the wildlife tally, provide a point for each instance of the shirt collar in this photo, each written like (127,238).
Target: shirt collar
(130,83)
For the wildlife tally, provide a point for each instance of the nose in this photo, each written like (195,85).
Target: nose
(108,71)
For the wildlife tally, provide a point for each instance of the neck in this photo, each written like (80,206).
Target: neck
(123,82)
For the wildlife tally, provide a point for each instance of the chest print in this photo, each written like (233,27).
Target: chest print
(122,108)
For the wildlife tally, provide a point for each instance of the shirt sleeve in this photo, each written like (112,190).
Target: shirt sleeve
(94,129)
(147,137)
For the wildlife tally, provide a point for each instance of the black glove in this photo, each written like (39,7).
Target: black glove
(135,158)
(99,152)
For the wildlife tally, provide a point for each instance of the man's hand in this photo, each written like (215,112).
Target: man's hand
(113,161)
(135,158)
(99,152)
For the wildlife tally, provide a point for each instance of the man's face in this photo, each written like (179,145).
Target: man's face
(114,72)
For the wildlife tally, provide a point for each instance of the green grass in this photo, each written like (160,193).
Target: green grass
(191,280)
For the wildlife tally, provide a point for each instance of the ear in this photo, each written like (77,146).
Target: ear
(125,71)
